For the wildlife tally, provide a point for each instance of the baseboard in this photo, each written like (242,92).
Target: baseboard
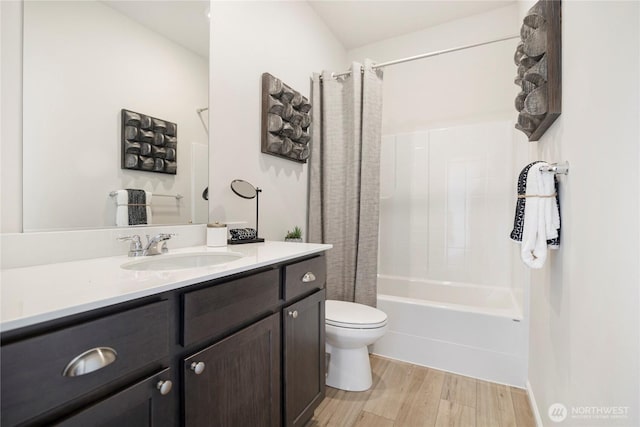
(534,405)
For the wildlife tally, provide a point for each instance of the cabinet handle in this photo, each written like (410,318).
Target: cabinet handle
(294,314)
(164,387)
(90,361)
(197,367)
(308,277)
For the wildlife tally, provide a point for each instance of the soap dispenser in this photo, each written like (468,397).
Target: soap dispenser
(216,234)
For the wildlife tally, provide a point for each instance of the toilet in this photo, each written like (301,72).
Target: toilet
(350,328)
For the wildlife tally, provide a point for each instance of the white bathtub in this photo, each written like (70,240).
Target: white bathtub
(472,330)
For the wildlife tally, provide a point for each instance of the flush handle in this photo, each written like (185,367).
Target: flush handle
(308,277)
(90,361)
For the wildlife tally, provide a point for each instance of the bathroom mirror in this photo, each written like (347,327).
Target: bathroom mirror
(243,189)
(85,61)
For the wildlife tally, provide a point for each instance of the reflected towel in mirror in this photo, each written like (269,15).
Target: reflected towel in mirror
(133,207)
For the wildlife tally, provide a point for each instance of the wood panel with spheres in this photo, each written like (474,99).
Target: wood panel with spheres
(285,120)
(538,57)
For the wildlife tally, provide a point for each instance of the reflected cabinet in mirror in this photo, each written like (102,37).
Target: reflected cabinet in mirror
(83,63)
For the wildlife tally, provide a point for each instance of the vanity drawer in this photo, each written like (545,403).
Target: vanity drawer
(38,373)
(213,311)
(304,277)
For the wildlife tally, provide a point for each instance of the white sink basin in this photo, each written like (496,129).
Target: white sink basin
(181,261)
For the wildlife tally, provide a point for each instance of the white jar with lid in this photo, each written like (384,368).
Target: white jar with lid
(216,234)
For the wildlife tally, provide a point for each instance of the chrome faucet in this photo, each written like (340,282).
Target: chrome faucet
(156,245)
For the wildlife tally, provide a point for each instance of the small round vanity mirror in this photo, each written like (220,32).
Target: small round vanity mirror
(243,189)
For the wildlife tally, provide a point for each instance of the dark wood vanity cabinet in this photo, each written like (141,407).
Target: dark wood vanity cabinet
(57,370)
(258,377)
(142,405)
(304,358)
(246,350)
(236,382)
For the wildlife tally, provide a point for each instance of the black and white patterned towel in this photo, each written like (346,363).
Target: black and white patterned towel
(137,200)
(518,222)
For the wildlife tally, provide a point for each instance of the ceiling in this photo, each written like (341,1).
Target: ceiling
(359,22)
(182,21)
(354,22)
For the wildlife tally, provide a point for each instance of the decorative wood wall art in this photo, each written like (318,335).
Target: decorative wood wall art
(285,120)
(148,143)
(538,57)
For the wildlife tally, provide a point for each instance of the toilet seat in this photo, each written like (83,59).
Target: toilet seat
(351,315)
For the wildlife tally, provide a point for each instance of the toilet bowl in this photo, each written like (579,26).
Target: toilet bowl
(350,328)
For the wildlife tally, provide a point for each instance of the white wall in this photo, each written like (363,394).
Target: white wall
(459,87)
(11,117)
(288,40)
(584,349)
(83,63)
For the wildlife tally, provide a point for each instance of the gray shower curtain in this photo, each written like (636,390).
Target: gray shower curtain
(344,179)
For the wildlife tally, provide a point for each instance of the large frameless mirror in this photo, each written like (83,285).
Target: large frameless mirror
(85,61)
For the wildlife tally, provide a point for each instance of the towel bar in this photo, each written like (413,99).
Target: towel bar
(177,196)
(557,168)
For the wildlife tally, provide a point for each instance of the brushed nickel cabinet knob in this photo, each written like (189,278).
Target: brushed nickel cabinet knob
(308,277)
(164,387)
(197,367)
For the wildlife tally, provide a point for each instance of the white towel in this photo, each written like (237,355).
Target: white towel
(122,208)
(541,216)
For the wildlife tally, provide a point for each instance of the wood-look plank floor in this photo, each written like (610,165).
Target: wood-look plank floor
(406,395)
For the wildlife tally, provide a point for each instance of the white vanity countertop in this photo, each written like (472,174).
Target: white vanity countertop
(40,293)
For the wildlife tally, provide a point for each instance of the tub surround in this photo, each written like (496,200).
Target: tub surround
(41,293)
(472,330)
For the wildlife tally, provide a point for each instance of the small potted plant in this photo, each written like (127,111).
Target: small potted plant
(294,236)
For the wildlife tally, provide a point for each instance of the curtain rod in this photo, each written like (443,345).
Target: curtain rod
(428,55)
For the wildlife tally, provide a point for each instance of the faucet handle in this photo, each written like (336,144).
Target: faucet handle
(135,248)
(135,239)
(160,236)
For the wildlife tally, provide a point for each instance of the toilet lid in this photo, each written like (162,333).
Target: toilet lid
(351,315)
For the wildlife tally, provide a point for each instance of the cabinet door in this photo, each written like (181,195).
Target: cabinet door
(147,403)
(236,382)
(304,358)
